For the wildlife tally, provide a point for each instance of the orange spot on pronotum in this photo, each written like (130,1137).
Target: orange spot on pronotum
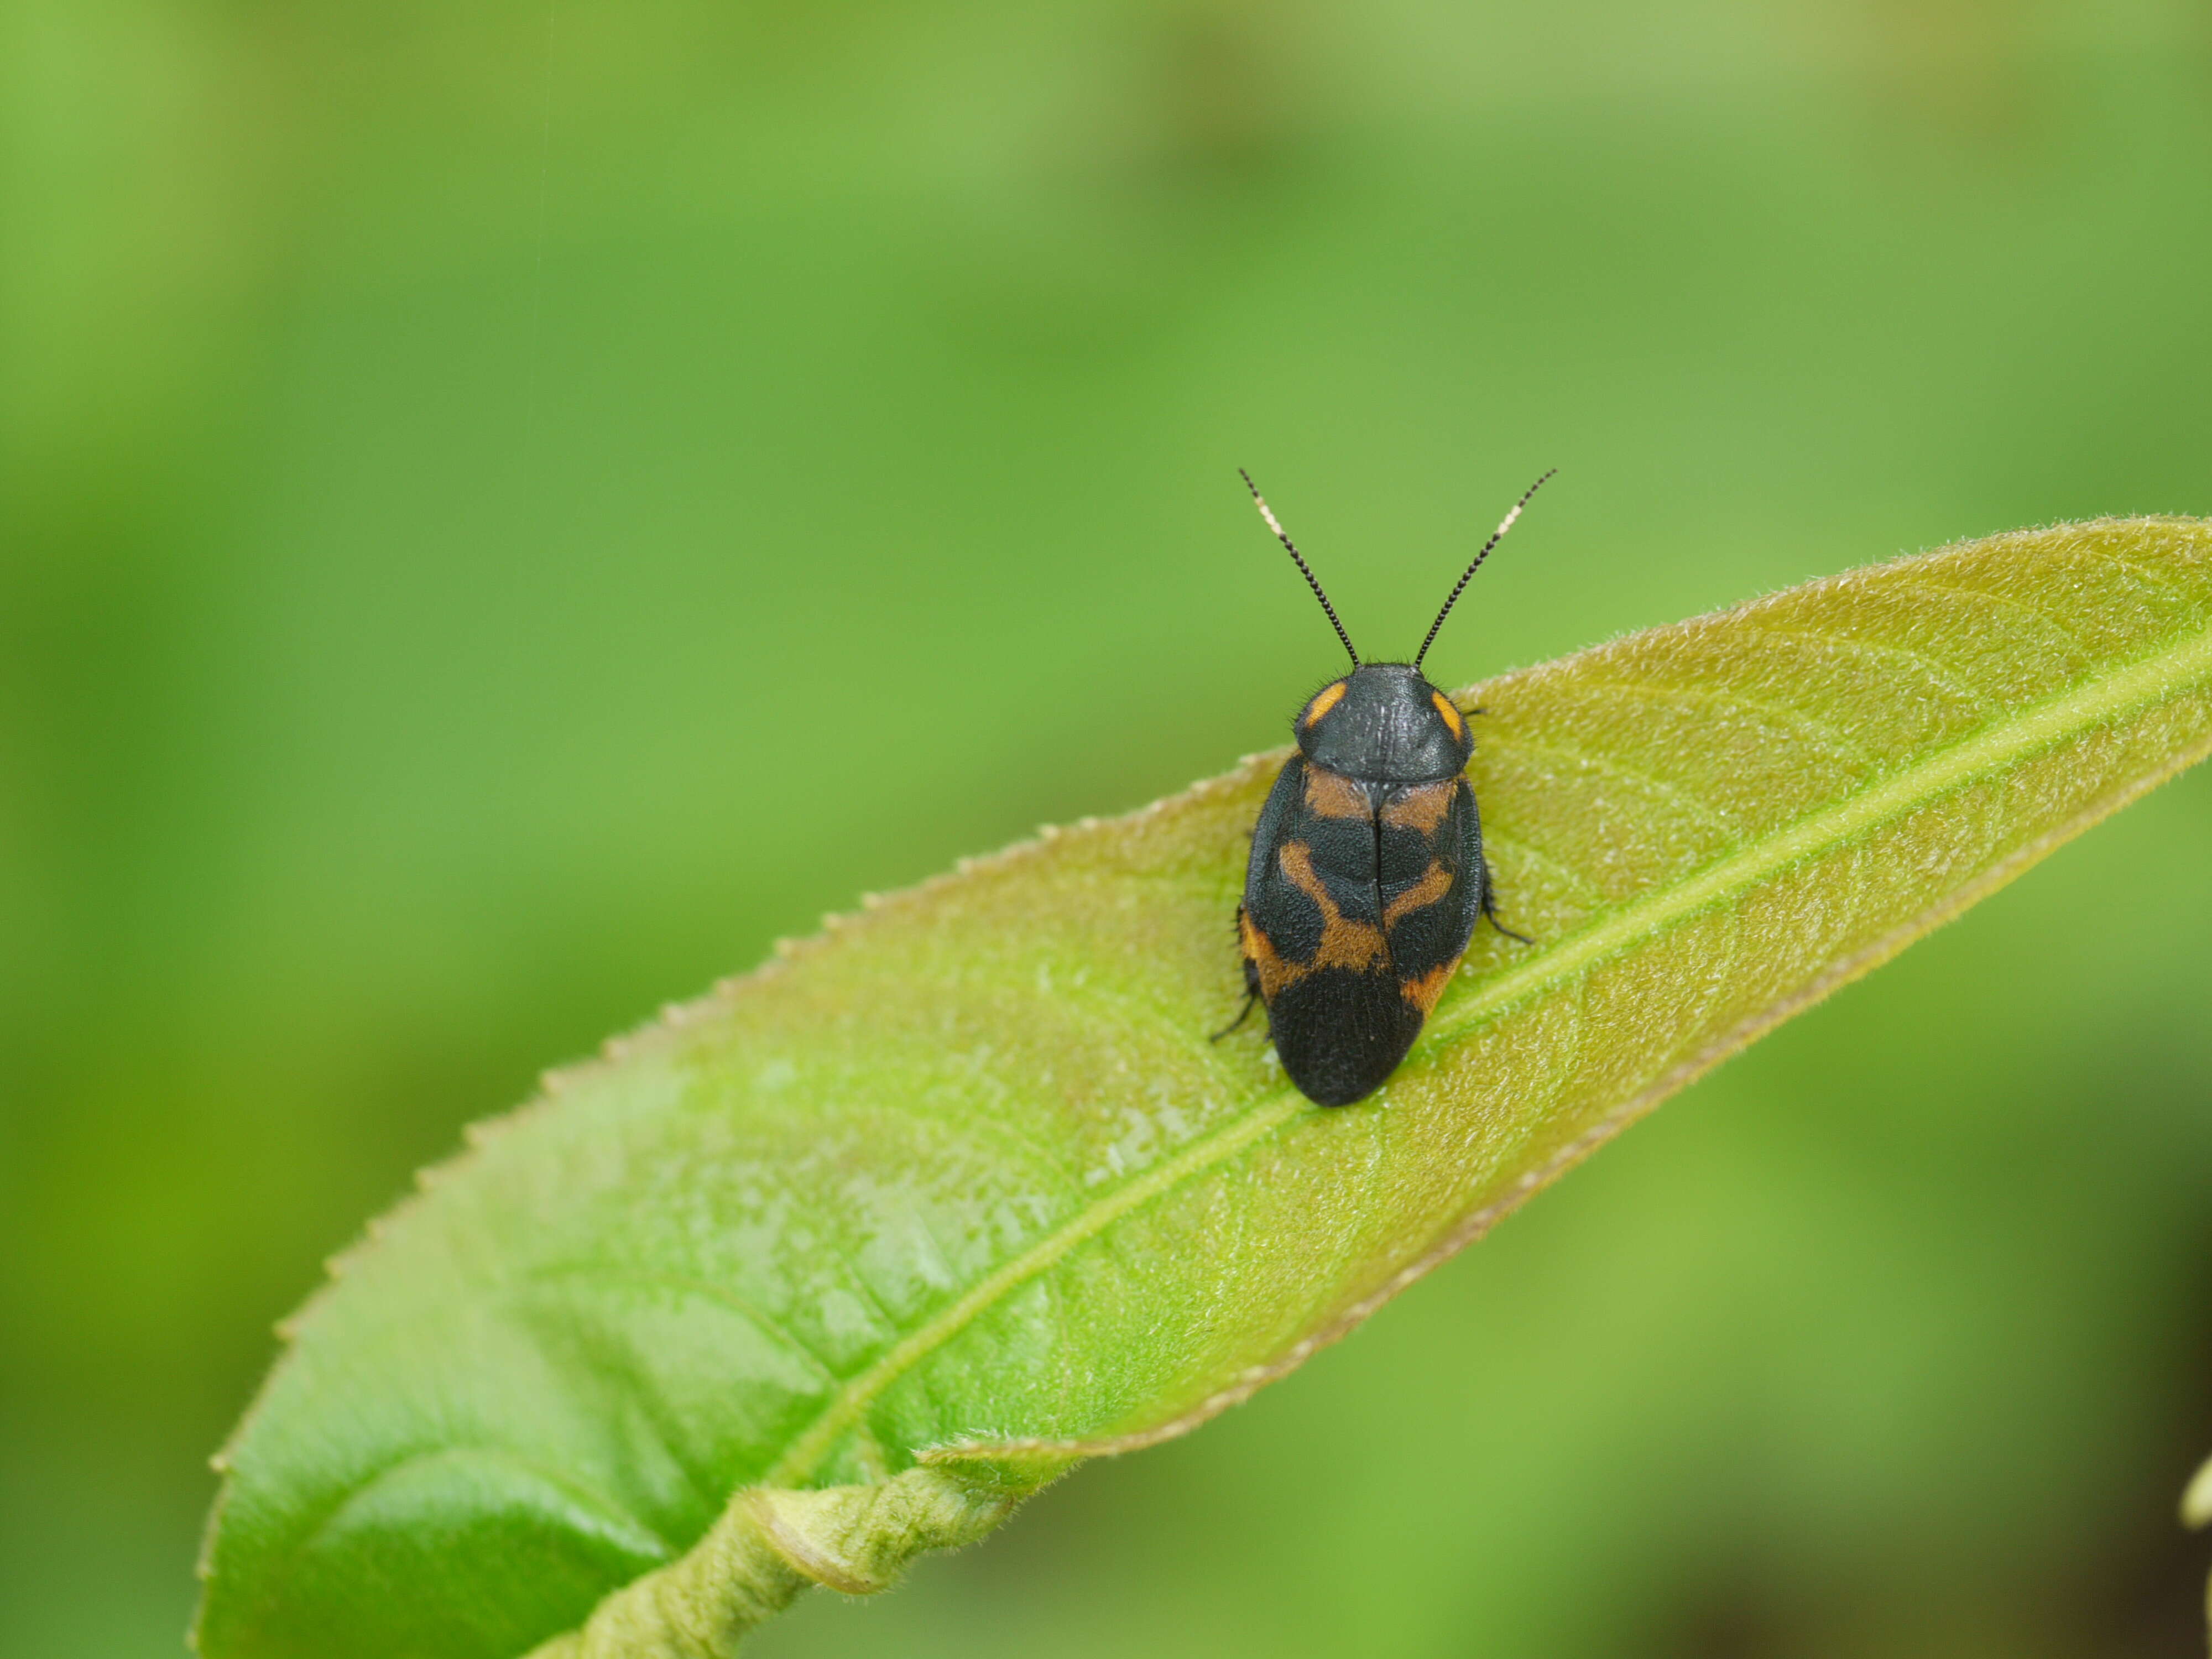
(1324,700)
(1451,715)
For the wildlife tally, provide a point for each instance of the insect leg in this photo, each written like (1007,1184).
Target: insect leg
(1251,996)
(1490,905)
(1251,988)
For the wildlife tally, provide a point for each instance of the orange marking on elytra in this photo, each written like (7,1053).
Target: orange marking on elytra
(1433,885)
(1451,716)
(1331,795)
(1422,807)
(1274,972)
(1423,992)
(1355,944)
(1324,700)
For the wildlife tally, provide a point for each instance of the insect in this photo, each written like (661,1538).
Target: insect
(1367,873)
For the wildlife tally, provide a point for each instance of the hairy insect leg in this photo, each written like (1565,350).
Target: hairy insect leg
(1251,991)
(1251,997)
(1490,905)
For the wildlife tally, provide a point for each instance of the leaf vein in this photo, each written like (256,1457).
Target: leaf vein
(1932,585)
(1933,668)
(1832,736)
(1701,810)
(773,1328)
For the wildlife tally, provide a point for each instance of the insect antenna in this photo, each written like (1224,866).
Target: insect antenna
(1496,535)
(1312,581)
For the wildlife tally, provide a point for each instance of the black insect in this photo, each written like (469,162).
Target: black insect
(1367,872)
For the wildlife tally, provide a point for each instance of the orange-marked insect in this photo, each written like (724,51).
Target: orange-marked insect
(1367,873)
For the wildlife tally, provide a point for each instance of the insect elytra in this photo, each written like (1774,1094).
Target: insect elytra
(1367,874)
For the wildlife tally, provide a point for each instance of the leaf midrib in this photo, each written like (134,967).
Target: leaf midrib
(2151,679)
(2147,681)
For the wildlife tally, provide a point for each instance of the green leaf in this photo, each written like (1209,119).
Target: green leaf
(839,1263)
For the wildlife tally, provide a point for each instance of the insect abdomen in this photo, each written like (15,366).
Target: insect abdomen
(1339,1034)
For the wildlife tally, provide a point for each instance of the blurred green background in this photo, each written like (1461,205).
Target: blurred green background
(488,491)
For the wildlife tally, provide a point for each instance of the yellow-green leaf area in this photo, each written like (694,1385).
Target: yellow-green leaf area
(835,1265)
